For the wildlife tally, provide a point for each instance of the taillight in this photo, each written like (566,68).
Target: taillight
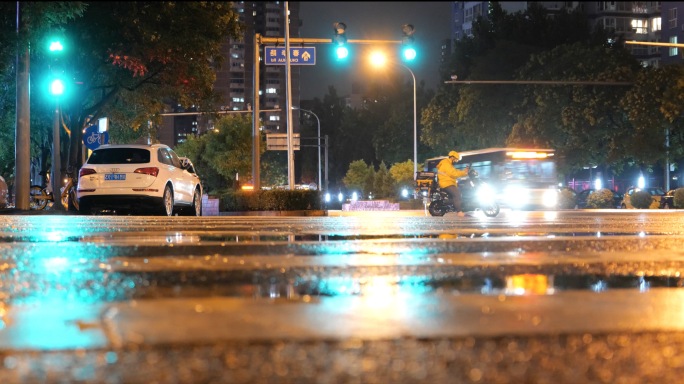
(85,172)
(152,171)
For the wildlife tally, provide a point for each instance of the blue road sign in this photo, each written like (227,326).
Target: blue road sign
(298,56)
(93,138)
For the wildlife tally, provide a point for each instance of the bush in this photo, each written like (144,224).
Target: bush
(603,198)
(567,199)
(641,200)
(678,199)
(273,200)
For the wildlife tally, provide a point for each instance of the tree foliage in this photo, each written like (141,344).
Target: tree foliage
(224,156)
(653,106)
(584,123)
(38,20)
(139,55)
(357,176)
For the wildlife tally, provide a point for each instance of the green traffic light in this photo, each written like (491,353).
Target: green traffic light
(57,87)
(342,52)
(56,46)
(409,53)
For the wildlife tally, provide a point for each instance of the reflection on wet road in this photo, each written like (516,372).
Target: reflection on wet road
(223,288)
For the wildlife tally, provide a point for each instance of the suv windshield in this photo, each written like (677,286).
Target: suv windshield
(120,156)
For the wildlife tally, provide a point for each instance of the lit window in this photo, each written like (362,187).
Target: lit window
(270,90)
(673,50)
(656,24)
(274,118)
(640,27)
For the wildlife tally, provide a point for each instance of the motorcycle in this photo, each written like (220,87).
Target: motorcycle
(475,195)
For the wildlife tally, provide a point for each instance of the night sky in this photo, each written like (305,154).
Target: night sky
(372,21)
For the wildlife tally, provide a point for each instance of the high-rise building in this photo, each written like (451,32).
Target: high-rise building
(234,80)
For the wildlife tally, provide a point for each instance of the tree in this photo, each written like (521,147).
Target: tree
(132,56)
(470,117)
(223,154)
(357,176)
(383,184)
(585,124)
(402,174)
(38,20)
(653,106)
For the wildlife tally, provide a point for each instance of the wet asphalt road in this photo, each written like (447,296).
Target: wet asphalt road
(366,297)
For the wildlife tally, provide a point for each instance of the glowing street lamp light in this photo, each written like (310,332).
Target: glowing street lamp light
(378,59)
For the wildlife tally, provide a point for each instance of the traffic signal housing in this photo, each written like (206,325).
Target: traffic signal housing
(56,83)
(407,48)
(340,40)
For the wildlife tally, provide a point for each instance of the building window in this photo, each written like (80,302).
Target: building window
(672,17)
(656,24)
(609,24)
(640,27)
(274,118)
(468,15)
(673,50)
(270,90)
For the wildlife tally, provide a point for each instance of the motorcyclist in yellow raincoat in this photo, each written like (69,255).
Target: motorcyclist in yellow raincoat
(447,177)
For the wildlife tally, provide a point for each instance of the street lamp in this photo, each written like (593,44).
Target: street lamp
(319,143)
(378,59)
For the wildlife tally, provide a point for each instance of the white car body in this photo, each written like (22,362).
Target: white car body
(139,178)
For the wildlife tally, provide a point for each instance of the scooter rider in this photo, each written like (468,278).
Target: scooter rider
(447,177)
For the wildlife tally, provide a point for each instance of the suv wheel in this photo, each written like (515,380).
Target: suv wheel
(167,202)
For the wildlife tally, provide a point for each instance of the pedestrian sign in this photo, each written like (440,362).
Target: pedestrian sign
(298,56)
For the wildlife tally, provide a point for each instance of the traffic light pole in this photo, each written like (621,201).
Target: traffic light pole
(256,129)
(56,177)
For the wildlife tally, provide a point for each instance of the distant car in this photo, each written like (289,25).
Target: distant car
(583,196)
(656,192)
(667,200)
(139,178)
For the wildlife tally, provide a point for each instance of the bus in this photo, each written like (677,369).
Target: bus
(522,178)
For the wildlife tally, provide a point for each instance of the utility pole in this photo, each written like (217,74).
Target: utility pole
(22,180)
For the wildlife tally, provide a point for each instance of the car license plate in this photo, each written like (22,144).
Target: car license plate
(115,176)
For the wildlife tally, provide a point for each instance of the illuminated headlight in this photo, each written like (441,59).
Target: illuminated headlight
(424,193)
(327,197)
(355,196)
(486,194)
(404,192)
(550,198)
(340,197)
(517,196)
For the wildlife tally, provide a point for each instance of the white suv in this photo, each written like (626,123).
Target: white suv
(150,178)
